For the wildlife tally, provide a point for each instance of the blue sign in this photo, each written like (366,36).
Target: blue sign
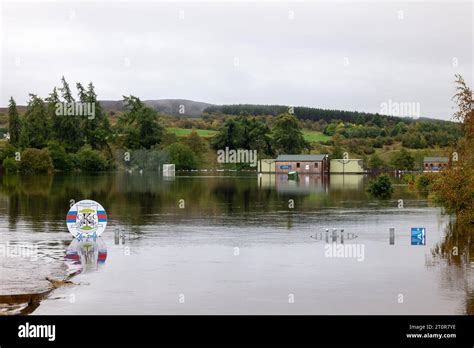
(285,167)
(418,236)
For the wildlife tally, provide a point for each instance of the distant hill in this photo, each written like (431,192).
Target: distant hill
(189,108)
(165,106)
(21,109)
(192,108)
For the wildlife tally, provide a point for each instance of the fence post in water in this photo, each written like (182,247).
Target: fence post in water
(327,239)
(334,235)
(342,236)
(122,235)
(116,236)
(392,236)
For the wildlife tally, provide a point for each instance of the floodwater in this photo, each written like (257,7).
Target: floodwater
(229,243)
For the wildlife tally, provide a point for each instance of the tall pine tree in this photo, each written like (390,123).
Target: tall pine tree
(140,125)
(96,129)
(54,120)
(14,122)
(37,122)
(69,130)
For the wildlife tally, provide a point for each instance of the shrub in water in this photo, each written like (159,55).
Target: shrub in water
(61,160)
(408,179)
(10,165)
(423,182)
(36,161)
(90,160)
(381,187)
(182,156)
(8,151)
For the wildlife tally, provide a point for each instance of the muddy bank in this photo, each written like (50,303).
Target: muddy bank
(23,304)
(27,268)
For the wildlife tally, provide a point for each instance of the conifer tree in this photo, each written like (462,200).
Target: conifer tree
(14,123)
(69,130)
(36,122)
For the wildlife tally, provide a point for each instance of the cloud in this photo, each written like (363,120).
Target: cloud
(351,56)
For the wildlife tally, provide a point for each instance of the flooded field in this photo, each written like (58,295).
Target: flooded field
(230,244)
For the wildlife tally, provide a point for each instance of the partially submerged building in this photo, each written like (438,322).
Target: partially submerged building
(304,164)
(347,166)
(266,165)
(435,164)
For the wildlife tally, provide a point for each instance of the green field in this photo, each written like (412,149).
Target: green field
(315,136)
(182,132)
(309,135)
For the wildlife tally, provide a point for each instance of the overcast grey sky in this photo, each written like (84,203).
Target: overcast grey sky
(344,55)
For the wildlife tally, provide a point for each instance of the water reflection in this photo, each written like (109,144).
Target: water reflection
(86,255)
(42,201)
(346,181)
(456,254)
(249,211)
(306,183)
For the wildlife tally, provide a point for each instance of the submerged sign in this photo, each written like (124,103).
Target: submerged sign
(86,218)
(418,236)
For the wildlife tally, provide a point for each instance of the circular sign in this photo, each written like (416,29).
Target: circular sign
(86,218)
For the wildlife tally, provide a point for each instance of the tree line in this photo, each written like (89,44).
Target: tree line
(304,113)
(100,143)
(42,140)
